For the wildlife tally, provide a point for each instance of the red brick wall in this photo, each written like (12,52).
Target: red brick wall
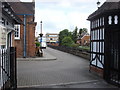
(97,71)
(85,38)
(30,38)
(53,44)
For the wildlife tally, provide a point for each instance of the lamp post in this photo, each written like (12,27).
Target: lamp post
(98,3)
(41,52)
(41,32)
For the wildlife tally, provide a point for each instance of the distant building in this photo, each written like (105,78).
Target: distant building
(25,33)
(84,40)
(52,39)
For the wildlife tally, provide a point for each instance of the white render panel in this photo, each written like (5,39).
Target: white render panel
(99,64)
(97,46)
(97,34)
(94,46)
(94,62)
(103,21)
(103,59)
(103,33)
(103,47)
(93,55)
(100,47)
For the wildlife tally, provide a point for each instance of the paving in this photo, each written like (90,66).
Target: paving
(66,71)
(45,57)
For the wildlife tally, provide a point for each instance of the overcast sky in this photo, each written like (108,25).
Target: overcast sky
(57,15)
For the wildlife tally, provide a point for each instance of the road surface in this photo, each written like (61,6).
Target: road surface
(67,71)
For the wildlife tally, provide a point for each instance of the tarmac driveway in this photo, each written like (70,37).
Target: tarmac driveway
(66,71)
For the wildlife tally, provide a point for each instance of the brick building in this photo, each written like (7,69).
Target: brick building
(52,39)
(84,40)
(25,35)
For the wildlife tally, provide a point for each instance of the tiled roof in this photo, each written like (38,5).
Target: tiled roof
(23,7)
(11,14)
(105,7)
(13,0)
(83,34)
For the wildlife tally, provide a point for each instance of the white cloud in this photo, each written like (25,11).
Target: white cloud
(55,20)
(76,1)
(63,14)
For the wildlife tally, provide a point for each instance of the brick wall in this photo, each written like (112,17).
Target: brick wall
(84,41)
(30,38)
(97,71)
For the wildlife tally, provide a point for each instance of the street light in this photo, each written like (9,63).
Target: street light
(41,52)
(98,4)
(41,32)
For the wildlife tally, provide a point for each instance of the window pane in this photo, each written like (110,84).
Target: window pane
(94,46)
(103,33)
(17,33)
(116,19)
(110,20)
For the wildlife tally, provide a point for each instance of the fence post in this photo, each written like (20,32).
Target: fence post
(13,68)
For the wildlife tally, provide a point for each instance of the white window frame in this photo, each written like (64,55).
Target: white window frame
(17,26)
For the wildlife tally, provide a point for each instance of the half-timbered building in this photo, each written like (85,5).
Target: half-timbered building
(105,41)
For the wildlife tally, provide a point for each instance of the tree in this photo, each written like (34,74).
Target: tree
(82,31)
(67,41)
(74,35)
(62,34)
(85,30)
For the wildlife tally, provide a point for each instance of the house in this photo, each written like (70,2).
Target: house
(25,35)
(105,41)
(84,40)
(8,19)
(52,39)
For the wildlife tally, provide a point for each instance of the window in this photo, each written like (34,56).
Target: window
(17,33)
(3,21)
(110,20)
(103,21)
(3,46)
(51,39)
(116,19)
(100,21)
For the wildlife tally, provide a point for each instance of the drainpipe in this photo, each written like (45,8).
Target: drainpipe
(24,51)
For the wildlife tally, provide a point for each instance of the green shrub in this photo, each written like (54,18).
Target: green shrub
(84,47)
(75,45)
(67,41)
(37,44)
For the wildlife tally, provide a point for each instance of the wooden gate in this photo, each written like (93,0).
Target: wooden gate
(112,57)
